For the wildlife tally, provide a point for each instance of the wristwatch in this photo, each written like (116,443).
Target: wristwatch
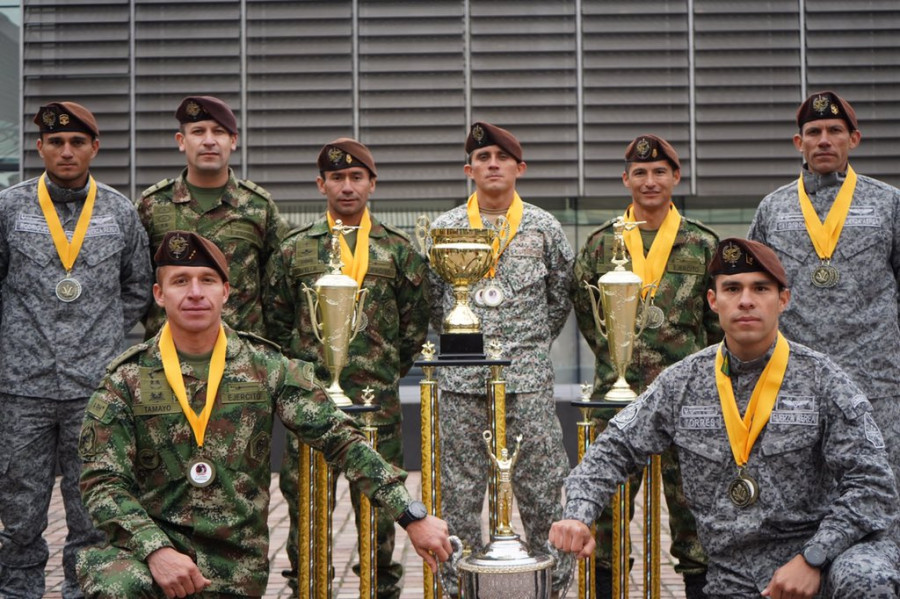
(814,555)
(415,511)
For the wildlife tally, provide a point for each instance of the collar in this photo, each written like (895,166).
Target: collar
(320,227)
(737,366)
(181,195)
(152,358)
(813,182)
(65,195)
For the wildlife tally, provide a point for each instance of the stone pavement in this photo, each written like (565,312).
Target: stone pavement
(346,583)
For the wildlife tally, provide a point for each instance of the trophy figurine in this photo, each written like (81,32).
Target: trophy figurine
(336,311)
(620,298)
(461,256)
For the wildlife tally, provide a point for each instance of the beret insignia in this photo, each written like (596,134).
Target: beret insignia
(63,119)
(478,133)
(178,245)
(731,254)
(820,104)
(49,118)
(192,108)
(335,155)
(643,148)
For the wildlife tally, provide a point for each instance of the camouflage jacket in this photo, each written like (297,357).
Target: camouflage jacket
(689,326)
(396,310)
(244,224)
(820,463)
(856,321)
(53,349)
(137,447)
(535,275)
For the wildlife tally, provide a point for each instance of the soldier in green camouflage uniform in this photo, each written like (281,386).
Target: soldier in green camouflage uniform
(173,529)
(689,326)
(396,312)
(237,215)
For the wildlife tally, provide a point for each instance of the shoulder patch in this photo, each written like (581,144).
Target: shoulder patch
(397,231)
(255,188)
(127,355)
(300,229)
(157,187)
(259,339)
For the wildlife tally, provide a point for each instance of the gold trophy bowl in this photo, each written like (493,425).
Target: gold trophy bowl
(336,311)
(460,256)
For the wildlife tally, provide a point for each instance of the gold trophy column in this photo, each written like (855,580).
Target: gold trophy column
(306,524)
(368,524)
(652,515)
(586,567)
(431,455)
(496,390)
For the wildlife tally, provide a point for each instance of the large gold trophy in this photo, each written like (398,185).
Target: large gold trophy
(620,298)
(461,256)
(336,311)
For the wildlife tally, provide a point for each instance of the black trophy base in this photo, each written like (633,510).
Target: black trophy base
(462,346)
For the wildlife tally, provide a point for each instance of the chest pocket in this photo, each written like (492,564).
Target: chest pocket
(704,457)
(382,268)
(241,230)
(525,262)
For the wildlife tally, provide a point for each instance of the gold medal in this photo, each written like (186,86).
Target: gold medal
(654,317)
(825,275)
(201,473)
(68,289)
(743,490)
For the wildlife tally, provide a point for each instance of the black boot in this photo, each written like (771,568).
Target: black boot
(693,586)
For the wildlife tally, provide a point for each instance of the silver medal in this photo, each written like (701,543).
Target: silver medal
(478,298)
(68,289)
(492,296)
(201,473)
(655,317)
(825,276)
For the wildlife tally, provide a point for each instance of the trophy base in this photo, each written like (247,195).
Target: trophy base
(620,395)
(462,346)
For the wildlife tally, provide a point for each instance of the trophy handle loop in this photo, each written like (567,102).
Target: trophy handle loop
(642,321)
(358,316)
(562,561)
(595,308)
(312,299)
(457,545)
(423,227)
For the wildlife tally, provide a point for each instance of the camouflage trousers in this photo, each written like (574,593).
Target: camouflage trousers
(388,572)
(108,571)
(537,477)
(686,548)
(869,569)
(36,435)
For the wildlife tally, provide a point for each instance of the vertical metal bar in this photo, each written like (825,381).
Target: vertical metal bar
(586,584)
(692,96)
(305,523)
(132,102)
(579,93)
(497,418)
(354,40)
(245,152)
(621,541)
(368,530)
(322,552)
(804,74)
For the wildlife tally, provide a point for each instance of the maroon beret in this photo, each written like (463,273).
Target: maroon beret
(345,153)
(66,116)
(185,248)
(735,255)
(826,105)
(484,134)
(650,148)
(206,108)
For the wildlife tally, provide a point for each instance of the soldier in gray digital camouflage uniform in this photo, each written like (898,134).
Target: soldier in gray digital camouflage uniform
(792,500)
(533,281)
(183,500)
(652,170)
(237,215)
(63,317)
(845,303)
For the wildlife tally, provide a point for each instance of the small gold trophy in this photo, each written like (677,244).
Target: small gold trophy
(620,297)
(336,311)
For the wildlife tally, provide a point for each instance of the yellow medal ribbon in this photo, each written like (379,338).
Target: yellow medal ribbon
(825,235)
(743,432)
(513,217)
(356,265)
(172,368)
(651,268)
(66,251)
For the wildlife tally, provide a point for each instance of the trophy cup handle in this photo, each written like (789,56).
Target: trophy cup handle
(423,226)
(457,554)
(312,300)
(564,561)
(595,308)
(359,321)
(642,321)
